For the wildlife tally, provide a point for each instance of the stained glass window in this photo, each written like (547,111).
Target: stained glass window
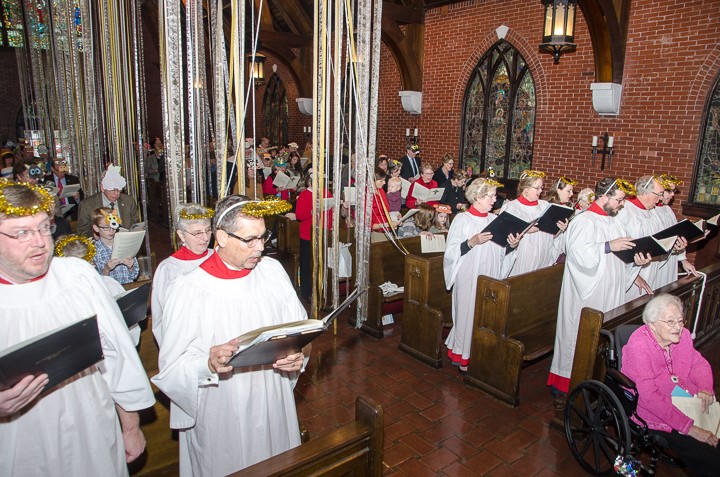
(707,177)
(12,24)
(37,17)
(499,114)
(275,111)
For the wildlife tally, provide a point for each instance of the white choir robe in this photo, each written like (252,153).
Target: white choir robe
(116,289)
(638,223)
(73,429)
(461,274)
(667,271)
(592,278)
(166,273)
(536,250)
(231,423)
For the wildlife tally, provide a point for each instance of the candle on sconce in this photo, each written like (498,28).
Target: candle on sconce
(416,132)
(611,140)
(304,129)
(407,132)
(594,141)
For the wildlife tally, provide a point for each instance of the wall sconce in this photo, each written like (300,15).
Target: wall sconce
(307,131)
(607,150)
(559,29)
(256,68)
(410,140)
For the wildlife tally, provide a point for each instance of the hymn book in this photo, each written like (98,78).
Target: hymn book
(427,195)
(685,228)
(506,224)
(647,245)
(69,191)
(134,304)
(552,215)
(284,181)
(266,345)
(691,406)
(126,244)
(350,194)
(432,245)
(60,353)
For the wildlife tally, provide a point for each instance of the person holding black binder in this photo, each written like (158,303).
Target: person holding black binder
(87,424)
(230,418)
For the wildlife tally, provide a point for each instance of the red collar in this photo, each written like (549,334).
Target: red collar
(185,253)
(524,201)
(217,268)
(597,209)
(636,202)
(473,211)
(5,282)
(659,204)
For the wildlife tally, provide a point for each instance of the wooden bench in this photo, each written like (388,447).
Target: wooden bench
(287,251)
(427,308)
(515,323)
(588,362)
(355,449)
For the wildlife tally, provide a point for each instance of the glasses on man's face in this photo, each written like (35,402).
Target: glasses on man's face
(105,227)
(673,323)
(619,201)
(252,241)
(24,235)
(659,194)
(200,233)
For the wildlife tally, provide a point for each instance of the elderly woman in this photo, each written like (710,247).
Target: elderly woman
(562,192)
(539,249)
(660,357)
(193,228)
(468,254)
(445,172)
(425,180)
(585,198)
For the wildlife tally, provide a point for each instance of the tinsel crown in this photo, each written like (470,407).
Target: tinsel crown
(60,246)
(47,202)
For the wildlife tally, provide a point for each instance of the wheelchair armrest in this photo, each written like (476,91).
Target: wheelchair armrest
(620,378)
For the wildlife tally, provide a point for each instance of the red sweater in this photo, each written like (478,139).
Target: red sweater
(270,189)
(410,201)
(303,212)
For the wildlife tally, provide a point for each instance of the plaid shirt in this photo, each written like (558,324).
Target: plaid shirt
(121,273)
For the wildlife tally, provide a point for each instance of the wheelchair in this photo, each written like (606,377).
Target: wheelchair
(602,437)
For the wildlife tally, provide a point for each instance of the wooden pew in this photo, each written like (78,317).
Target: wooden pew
(515,323)
(427,308)
(588,362)
(355,449)
(287,250)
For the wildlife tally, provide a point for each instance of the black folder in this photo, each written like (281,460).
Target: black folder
(60,353)
(555,213)
(685,228)
(644,245)
(506,224)
(134,304)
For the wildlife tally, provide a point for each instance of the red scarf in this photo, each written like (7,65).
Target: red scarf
(636,202)
(186,254)
(597,209)
(217,268)
(5,282)
(473,211)
(524,201)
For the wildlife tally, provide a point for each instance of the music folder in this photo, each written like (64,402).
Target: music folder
(61,353)
(134,304)
(553,214)
(644,245)
(506,224)
(685,228)
(266,345)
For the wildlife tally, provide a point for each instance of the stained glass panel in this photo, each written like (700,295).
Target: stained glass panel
(13,23)
(36,11)
(497,111)
(275,108)
(707,185)
(474,117)
(523,127)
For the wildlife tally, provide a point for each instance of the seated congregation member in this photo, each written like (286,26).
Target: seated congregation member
(665,216)
(593,277)
(105,226)
(59,175)
(418,224)
(469,253)
(394,197)
(279,165)
(445,172)
(454,193)
(538,249)
(89,424)
(111,197)
(660,357)
(304,214)
(382,162)
(229,418)
(425,181)
(380,218)
(562,192)
(441,221)
(194,230)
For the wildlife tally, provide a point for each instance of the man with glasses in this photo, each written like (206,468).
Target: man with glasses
(229,418)
(594,277)
(89,424)
(110,196)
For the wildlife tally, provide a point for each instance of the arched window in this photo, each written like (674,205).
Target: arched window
(706,189)
(499,114)
(275,111)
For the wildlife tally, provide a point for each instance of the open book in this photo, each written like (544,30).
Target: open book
(685,228)
(506,224)
(691,406)
(432,245)
(404,187)
(350,194)
(284,181)
(408,215)
(266,345)
(427,195)
(61,353)
(69,191)
(127,244)
(553,214)
(645,245)
(134,304)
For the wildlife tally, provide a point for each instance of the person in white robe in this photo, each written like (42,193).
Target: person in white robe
(593,277)
(537,249)
(470,253)
(87,425)
(194,230)
(229,418)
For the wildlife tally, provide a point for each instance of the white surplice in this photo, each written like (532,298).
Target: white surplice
(667,271)
(461,272)
(536,250)
(230,423)
(592,278)
(73,429)
(638,222)
(166,273)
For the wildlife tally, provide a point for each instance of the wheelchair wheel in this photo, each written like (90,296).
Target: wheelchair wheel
(596,427)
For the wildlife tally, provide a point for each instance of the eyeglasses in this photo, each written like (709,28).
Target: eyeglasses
(659,194)
(619,201)
(23,236)
(200,233)
(252,241)
(105,227)
(537,187)
(673,323)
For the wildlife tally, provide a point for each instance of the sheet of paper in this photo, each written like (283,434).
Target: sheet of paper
(328,203)
(127,244)
(434,244)
(405,187)
(350,195)
(281,180)
(69,191)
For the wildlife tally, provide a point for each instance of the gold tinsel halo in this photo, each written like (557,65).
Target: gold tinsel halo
(566,180)
(667,181)
(60,246)
(493,183)
(625,186)
(268,206)
(6,208)
(205,215)
(532,173)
